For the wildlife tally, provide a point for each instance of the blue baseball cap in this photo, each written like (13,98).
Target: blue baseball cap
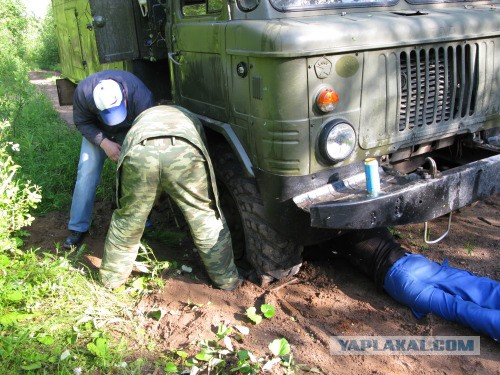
(109,100)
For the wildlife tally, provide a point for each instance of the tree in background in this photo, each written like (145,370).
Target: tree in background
(26,37)
(13,69)
(30,120)
(46,54)
(13,26)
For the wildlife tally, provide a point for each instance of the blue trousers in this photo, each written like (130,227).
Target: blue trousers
(90,166)
(451,293)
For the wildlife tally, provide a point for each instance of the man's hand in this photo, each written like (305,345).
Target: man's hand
(111,149)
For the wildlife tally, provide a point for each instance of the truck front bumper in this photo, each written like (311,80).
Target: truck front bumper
(346,204)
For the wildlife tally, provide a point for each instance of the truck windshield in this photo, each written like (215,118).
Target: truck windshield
(440,1)
(325,4)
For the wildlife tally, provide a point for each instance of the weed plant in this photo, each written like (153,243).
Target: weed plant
(16,197)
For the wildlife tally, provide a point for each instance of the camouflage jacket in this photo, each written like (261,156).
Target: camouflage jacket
(161,121)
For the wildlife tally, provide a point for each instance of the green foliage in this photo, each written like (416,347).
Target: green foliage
(279,347)
(395,233)
(25,37)
(247,363)
(46,52)
(470,247)
(223,331)
(148,263)
(170,368)
(220,357)
(16,197)
(253,316)
(13,70)
(54,318)
(13,27)
(207,7)
(166,237)
(106,190)
(49,149)
(267,310)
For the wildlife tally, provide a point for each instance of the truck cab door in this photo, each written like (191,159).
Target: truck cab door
(197,56)
(115,32)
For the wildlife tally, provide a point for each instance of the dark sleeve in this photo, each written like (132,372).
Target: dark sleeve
(85,120)
(142,99)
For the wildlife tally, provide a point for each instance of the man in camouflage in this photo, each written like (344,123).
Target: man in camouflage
(164,151)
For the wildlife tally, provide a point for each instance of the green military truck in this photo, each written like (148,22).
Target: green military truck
(296,96)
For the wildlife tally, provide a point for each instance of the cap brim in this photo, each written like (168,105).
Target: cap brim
(115,115)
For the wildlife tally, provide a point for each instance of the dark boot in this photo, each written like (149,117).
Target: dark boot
(74,239)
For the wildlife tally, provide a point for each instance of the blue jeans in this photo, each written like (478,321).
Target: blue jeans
(92,160)
(451,293)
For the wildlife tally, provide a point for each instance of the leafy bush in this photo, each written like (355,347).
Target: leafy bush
(26,37)
(16,198)
(13,70)
(13,26)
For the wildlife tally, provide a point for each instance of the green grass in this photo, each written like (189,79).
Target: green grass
(470,247)
(54,319)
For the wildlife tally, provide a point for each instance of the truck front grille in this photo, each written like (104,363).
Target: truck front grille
(438,85)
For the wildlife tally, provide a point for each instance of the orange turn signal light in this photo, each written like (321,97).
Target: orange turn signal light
(327,100)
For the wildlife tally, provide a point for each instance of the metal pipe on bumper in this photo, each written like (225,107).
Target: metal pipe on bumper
(350,207)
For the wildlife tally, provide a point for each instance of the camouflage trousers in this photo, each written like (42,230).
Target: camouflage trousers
(180,169)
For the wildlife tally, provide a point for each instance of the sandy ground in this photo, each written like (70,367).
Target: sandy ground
(327,298)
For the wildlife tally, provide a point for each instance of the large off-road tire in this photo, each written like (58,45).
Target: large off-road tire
(268,252)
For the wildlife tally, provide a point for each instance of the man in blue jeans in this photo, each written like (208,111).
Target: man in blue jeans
(104,106)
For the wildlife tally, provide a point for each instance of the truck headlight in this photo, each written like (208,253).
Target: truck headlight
(247,5)
(336,140)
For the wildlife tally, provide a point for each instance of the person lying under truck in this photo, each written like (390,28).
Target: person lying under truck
(164,152)
(423,285)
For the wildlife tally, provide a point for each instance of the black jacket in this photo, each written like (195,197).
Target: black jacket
(86,115)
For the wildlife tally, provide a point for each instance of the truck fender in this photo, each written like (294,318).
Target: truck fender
(232,139)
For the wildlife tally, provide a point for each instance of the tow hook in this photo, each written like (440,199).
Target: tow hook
(432,173)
